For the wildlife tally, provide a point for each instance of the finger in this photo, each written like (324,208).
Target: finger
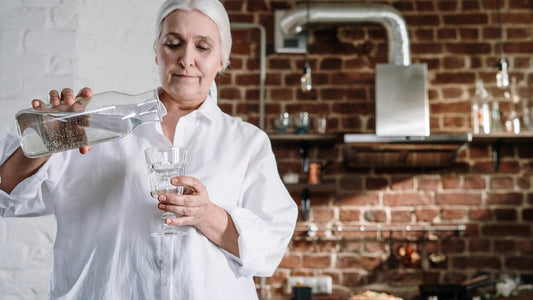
(67,96)
(85,92)
(180,221)
(85,149)
(36,103)
(190,182)
(54,97)
(178,210)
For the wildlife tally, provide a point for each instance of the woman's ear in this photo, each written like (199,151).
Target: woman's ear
(156,62)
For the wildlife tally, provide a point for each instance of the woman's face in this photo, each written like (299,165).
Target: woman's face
(188,55)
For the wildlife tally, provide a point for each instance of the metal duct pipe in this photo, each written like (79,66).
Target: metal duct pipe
(294,20)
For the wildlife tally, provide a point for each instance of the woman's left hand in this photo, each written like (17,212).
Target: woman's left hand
(197,210)
(194,205)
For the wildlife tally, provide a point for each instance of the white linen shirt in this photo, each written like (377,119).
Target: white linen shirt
(101,201)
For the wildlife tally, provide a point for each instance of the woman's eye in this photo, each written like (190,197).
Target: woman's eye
(203,48)
(172,45)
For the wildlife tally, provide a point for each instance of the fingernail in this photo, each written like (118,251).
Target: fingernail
(161,206)
(174,180)
(162,198)
(168,221)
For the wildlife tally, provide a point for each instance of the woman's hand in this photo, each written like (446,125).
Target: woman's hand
(67,102)
(197,210)
(194,205)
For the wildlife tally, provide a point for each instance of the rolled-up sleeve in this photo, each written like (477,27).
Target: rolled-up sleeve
(265,221)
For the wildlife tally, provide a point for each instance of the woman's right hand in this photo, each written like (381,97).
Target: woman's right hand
(66,101)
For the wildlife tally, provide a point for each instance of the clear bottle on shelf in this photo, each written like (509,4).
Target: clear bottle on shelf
(481,118)
(103,117)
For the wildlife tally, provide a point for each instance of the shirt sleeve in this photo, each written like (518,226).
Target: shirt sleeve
(265,221)
(28,197)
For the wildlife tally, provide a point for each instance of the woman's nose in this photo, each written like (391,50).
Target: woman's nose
(186,58)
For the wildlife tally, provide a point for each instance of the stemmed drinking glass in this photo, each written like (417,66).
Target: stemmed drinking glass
(163,164)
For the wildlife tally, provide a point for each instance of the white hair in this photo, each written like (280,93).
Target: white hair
(212,9)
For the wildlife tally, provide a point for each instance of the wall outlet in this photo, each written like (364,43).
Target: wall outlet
(318,284)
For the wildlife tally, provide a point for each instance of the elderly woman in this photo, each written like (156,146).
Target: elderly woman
(239,217)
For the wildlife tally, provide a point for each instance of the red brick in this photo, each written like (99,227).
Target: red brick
(401,216)
(428,184)
(511,198)
(332,93)
(323,214)
(468,34)
(451,182)
(458,199)
(452,214)
(507,230)
(468,48)
(346,261)
(505,214)
(519,263)
(331,63)
(424,35)
(353,108)
(446,107)
(477,262)
(326,246)
(427,48)
(230,93)
(474,183)
(291,261)
(423,20)
(317,261)
(349,215)
(402,183)
(479,245)
(352,246)
(447,34)
(256,5)
(301,246)
(375,247)
(525,247)
(480,214)
(527,214)
(281,94)
(406,199)
(504,246)
(445,5)
(426,215)
(452,93)
(375,215)
(465,19)
(352,279)
(279,64)
(248,79)
(351,183)
(454,122)
(501,183)
(376,183)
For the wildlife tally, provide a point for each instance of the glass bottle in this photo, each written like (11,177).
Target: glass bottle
(104,117)
(481,119)
(496,117)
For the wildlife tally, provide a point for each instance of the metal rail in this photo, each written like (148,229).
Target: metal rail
(312,228)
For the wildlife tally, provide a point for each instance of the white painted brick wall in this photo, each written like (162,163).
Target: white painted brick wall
(51,44)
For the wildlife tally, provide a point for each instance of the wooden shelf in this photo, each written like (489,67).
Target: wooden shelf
(321,188)
(503,137)
(303,138)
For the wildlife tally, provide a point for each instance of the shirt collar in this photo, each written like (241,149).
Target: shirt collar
(209,109)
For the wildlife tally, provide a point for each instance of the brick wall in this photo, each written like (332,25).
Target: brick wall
(459,41)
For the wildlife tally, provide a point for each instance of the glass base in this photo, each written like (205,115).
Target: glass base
(165,229)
